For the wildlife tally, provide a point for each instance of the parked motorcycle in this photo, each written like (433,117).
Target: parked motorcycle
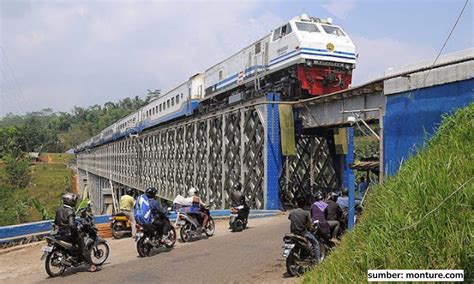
(298,252)
(61,255)
(120,226)
(147,239)
(191,225)
(238,218)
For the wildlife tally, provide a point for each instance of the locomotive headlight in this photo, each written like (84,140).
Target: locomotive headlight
(309,63)
(329,21)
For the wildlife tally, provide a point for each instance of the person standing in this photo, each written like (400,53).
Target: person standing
(126,207)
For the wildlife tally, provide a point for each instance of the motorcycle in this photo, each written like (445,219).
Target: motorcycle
(120,226)
(147,238)
(238,218)
(298,252)
(60,255)
(191,226)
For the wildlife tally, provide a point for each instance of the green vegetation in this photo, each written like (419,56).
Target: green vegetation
(48,131)
(41,196)
(31,190)
(420,219)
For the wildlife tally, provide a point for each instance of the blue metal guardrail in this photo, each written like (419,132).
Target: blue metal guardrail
(7,233)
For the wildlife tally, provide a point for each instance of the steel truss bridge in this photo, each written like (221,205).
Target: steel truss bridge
(214,151)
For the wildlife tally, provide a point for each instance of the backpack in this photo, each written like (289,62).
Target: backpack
(142,210)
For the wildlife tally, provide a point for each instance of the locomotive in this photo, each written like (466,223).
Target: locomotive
(306,56)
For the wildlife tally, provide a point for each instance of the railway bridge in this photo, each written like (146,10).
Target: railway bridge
(277,149)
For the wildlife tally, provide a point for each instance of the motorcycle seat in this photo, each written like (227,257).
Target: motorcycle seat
(294,236)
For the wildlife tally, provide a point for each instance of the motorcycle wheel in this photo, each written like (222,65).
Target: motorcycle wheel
(185,233)
(293,267)
(116,228)
(211,228)
(100,253)
(171,237)
(143,248)
(237,226)
(53,264)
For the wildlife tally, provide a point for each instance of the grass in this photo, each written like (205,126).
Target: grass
(48,182)
(394,232)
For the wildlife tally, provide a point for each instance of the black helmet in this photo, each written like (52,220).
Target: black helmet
(318,196)
(151,192)
(344,191)
(70,199)
(238,186)
(333,196)
(129,191)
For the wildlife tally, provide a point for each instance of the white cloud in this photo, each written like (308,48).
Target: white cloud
(93,52)
(340,8)
(376,55)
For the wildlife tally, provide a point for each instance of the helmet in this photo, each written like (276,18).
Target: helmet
(192,191)
(318,196)
(238,186)
(151,192)
(333,196)
(129,191)
(70,199)
(344,191)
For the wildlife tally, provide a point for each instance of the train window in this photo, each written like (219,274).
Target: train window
(160,107)
(288,29)
(172,101)
(307,27)
(177,99)
(168,103)
(258,47)
(200,90)
(189,92)
(182,94)
(153,111)
(333,30)
(276,34)
(221,74)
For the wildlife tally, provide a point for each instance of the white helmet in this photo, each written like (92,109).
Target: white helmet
(192,191)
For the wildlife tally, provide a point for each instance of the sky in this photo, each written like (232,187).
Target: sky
(61,54)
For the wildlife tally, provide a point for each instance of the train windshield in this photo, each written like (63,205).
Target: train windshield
(332,30)
(307,27)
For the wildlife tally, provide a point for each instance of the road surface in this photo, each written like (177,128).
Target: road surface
(251,256)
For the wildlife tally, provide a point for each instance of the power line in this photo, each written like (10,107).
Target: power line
(444,44)
(18,87)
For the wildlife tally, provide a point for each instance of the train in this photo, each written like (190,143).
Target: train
(306,56)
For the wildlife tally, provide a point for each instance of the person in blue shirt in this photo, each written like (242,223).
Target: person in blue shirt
(361,187)
(343,200)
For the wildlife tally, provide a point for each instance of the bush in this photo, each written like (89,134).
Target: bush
(17,171)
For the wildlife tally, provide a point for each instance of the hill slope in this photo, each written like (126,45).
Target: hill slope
(423,218)
(49,180)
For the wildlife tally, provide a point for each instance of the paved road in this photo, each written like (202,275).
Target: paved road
(252,256)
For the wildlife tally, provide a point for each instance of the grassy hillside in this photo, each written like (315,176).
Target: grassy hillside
(49,180)
(423,218)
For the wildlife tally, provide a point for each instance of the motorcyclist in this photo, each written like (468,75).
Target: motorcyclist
(67,229)
(333,214)
(237,198)
(126,207)
(301,222)
(196,206)
(317,214)
(160,221)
